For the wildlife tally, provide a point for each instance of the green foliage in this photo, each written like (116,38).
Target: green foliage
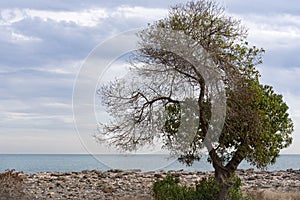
(235,192)
(173,117)
(207,189)
(169,189)
(275,127)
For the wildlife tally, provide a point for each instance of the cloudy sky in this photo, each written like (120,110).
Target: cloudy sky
(44,44)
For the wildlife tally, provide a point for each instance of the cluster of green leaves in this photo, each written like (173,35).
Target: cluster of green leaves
(173,117)
(207,189)
(275,127)
(259,119)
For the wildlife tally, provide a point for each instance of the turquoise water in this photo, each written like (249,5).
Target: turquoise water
(31,163)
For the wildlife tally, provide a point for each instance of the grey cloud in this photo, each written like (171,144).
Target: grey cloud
(57,41)
(75,5)
(30,84)
(283,79)
(14,140)
(262,7)
(33,85)
(285,58)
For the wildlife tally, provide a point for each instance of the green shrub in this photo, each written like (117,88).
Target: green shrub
(207,189)
(235,191)
(169,189)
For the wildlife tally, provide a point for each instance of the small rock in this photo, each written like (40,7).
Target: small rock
(158,176)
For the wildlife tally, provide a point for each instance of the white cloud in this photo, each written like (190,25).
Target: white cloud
(16,37)
(20,117)
(261,7)
(273,31)
(88,18)
(37,37)
(284,79)
(139,13)
(10,16)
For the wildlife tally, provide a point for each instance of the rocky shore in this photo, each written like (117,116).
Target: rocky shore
(134,184)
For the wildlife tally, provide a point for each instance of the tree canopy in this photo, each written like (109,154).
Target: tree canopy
(194,84)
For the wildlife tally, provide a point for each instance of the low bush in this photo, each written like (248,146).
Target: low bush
(169,188)
(207,189)
(11,186)
(235,191)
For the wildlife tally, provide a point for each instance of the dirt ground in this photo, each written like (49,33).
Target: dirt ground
(273,195)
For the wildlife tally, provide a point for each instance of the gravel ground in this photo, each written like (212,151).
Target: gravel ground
(134,184)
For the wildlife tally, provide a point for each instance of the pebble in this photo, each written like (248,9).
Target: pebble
(135,184)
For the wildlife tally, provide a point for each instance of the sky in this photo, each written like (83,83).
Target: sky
(44,45)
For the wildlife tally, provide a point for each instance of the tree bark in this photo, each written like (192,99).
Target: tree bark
(221,174)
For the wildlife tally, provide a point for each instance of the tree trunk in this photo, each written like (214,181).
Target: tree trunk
(222,175)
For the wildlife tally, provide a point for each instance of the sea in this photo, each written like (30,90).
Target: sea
(33,163)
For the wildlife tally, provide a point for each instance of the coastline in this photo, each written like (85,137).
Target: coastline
(135,184)
(33,163)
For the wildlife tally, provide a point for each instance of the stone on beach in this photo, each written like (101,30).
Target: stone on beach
(134,184)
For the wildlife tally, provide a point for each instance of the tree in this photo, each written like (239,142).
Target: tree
(193,84)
